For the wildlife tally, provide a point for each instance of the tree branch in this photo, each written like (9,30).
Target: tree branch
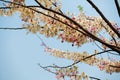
(46,69)
(16,7)
(94,78)
(12,28)
(114,66)
(104,18)
(117,6)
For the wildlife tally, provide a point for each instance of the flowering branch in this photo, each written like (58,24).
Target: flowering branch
(43,14)
(46,68)
(79,60)
(104,18)
(117,49)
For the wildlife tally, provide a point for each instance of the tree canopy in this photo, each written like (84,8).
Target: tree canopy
(47,18)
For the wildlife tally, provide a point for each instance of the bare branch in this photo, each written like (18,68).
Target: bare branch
(98,46)
(94,78)
(117,6)
(46,69)
(12,28)
(114,40)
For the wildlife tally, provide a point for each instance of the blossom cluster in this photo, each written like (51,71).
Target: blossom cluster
(103,64)
(95,25)
(75,56)
(109,66)
(72,73)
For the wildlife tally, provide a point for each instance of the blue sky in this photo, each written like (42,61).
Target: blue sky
(20,52)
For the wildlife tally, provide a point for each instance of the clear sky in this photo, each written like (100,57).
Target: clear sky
(20,53)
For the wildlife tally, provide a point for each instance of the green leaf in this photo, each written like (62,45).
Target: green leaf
(80,8)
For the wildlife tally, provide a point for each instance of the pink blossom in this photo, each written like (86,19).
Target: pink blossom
(58,76)
(73,18)
(61,75)
(101,67)
(48,69)
(92,29)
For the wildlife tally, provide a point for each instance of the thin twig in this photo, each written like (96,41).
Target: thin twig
(42,42)
(12,28)
(56,6)
(94,78)
(47,69)
(98,46)
(114,40)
